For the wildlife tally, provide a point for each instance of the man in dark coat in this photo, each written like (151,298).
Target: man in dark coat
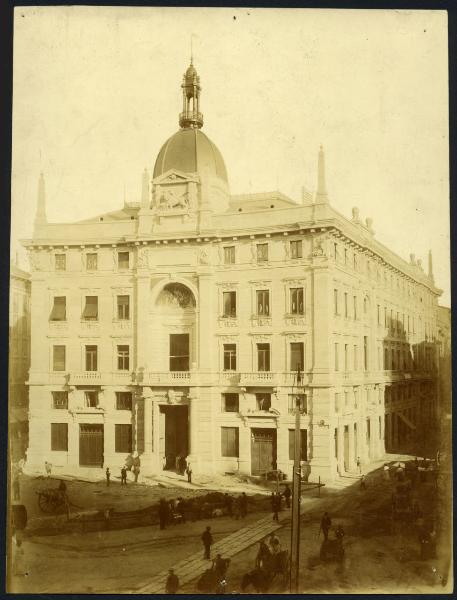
(123,476)
(163,513)
(326,523)
(228,503)
(287,494)
(172,584)
(243,505)
(108,475)
(207,540)
(274,506)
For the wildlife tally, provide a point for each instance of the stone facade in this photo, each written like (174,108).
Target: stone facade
(175,326)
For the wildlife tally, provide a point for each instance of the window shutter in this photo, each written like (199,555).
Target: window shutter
(91,308)
(58,312)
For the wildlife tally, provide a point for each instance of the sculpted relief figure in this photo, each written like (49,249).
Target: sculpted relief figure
(143,258)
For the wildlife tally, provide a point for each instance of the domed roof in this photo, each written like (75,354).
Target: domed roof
(191,151)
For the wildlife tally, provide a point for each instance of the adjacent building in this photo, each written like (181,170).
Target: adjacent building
(18,360)
(177,325)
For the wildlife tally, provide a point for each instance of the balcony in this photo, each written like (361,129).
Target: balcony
(85,378)
(173,378)
(260,378)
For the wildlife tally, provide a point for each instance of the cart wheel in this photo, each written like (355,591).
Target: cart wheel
(45,503)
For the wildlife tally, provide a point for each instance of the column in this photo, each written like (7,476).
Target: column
(140,324)
(205,341)
(321,431)
(340,442)
(193,429)
(351,462)
(147,457)
(245,448)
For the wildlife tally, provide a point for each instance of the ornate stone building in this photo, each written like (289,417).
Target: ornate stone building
(176,325)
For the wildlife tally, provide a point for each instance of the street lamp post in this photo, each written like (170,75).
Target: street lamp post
(296,492)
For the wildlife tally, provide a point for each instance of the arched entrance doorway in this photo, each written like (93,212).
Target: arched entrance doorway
(176,329)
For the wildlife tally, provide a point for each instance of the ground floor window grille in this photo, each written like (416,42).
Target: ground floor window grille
(230,441)
(59,437)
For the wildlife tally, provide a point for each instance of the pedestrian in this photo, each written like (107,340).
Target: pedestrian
(274,544)
(180,509)
(386,472)
(326,523)
(359,465)
(123,476)
(228,504)
(274,506)
(172,584)
(207,540)
(287,494)
(189,473)
(16,488)
(220,566)
(48,468)
(108,475)
(136,472)
(243,505)
(163,513)
(363,485)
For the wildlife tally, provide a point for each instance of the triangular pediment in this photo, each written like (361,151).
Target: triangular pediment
(174,176)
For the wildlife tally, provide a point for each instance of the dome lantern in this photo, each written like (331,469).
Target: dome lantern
(191,117)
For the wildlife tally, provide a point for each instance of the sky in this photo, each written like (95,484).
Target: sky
(96,92)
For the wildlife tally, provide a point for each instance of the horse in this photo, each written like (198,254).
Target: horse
(267,567)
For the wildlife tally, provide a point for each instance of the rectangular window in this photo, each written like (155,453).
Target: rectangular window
(292,404)
(356,350)
(90,312)
(179,352)
(263,357)
(123,438)
(229,357)
(91,358)
(335,301)
(337,366)
(60,400)
(123,260)
(59,309)
(296,249)
(303,444)
(345,305)
(91,261)
(262,252)
(229,255)
(230,442)
(297,356)
(123,400)
(346,357)
(297,305)
(229,302)
(59,437)
(365,353)
(58,358)
(355,307)
(263,401)
(386,359)
(123,308)
(91,399)
(123,358)
(230,403)
(60,262)
(263,302)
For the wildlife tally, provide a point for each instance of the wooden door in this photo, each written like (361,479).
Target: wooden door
(263,450)
(91,445)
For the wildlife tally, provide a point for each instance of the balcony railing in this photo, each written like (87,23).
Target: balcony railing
(168,378)
(259,378)
(85,378)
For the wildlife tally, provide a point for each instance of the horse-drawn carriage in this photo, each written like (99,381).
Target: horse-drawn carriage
(269,566)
